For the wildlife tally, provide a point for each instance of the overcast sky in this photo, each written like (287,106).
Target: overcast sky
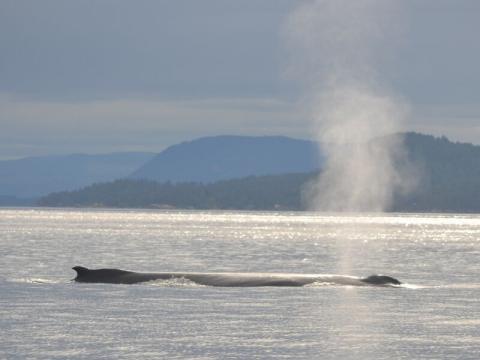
(113,75)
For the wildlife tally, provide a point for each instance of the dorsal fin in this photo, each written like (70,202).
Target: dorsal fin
(80,270)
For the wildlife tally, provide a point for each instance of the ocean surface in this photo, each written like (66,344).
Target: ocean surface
(44,315)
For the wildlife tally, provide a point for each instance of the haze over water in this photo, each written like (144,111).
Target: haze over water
(45,316)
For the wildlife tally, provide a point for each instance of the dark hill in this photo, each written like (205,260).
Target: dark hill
(211,159)
(449,175)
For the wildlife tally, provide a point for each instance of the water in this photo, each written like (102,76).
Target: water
(45,316)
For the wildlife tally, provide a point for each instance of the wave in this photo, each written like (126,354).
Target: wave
(31,280)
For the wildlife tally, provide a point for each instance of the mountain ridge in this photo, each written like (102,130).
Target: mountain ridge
(449,184)
(215,158)
(39,175)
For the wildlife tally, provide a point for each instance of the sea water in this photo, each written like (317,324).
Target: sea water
(43,315)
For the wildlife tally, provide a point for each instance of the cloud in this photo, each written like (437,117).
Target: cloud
(84,60)
(112,48)
(37,127)
(43,127)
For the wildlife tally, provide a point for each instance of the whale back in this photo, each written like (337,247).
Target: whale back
(116,276)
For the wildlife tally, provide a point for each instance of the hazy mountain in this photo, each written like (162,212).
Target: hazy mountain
(449,181)
(211,159)
(10,200)
(37,176)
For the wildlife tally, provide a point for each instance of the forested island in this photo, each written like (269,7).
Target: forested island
(450,182)
(251,193)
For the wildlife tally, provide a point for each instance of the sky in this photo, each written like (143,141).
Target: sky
(115,75)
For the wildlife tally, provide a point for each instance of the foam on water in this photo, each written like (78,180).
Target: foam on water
(36,281)
(174,282)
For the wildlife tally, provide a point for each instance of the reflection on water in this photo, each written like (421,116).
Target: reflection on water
(44,315)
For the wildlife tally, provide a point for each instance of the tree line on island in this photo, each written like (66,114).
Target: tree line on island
(280,192)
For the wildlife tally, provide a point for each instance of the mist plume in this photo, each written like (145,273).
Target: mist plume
(338,48)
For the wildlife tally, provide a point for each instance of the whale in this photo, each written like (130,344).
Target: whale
(228,279)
